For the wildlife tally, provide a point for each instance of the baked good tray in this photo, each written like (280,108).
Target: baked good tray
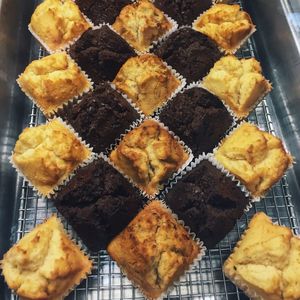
(204,281)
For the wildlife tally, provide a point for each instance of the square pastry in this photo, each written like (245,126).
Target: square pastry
(184,12)
(46,155)
(101,53)
(147,81)
(265,263)
(149,155)
(227,25)
(45,263)
(52,81)
(154,250)
(198,118)
(208,201)
(190,53)
(238,82)
(104,11)
(256,157)
(57,23)
(141,23)
(99,203)
(100,117)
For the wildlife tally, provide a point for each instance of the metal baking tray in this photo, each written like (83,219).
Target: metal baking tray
(276,45)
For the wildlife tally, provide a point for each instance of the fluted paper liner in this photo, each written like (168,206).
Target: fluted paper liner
(231,51)
(134,126)
(243,186)
(92,156)
(73,99)
(202,250)
(83,276)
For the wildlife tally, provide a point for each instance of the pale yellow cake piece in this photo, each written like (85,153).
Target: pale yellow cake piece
(255,157)
(141,23)
(52,81)
(291,274)
(149,155)
(146,81)
(265,263)
(238,82)
(226,24)
(57,23)
(45,263)
(47,154)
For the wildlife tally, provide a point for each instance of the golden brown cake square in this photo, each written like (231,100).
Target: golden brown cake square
(149,155)
(46,155)
(255,157)
(265,263)
(238,82)
(52,81)
(45,263)
(147,81)
(226,24)
(141,23)
(154,250)
(56,23)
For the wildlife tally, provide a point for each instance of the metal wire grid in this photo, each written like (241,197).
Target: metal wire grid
(204,281)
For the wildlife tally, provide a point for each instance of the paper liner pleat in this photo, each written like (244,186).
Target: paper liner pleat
(51,114)
(198,258)
(134,126)
(230,51)
(64,180)
(243,186)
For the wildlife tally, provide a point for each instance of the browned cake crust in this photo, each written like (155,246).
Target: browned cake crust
(147,82)
(149,155)
(45,263)
(154,250)
(57,23)
(265,263)
(255,157)
(52,81)
(226,24)
(46,155)
(141,23)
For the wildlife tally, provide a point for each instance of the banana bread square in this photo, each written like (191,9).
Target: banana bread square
(45,263)
(154,250)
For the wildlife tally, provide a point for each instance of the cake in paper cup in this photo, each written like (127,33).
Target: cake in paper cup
(154,250)
(45,263)
(257,158)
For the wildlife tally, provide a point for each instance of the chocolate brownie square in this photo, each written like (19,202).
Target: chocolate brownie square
(190,53)
(199,118)
(101,53)
(208,202)
(100,117)
(102,11)
(99,203)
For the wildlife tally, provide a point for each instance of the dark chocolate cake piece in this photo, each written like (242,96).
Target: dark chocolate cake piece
(199,118)
(99,203)
(190,53)
(208,202)
(184,12)
(102,11)
(101,53)
(100,117)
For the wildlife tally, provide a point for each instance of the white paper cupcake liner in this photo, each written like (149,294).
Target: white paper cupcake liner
(243,186)
(202,250)
(66,179)
(232,51)
(134,126)
(51,114)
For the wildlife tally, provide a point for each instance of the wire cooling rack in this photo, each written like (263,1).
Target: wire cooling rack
(206,280)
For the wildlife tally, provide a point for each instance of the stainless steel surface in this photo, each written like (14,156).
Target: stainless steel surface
(274,44)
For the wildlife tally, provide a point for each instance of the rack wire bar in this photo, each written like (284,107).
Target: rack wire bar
(206,280)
